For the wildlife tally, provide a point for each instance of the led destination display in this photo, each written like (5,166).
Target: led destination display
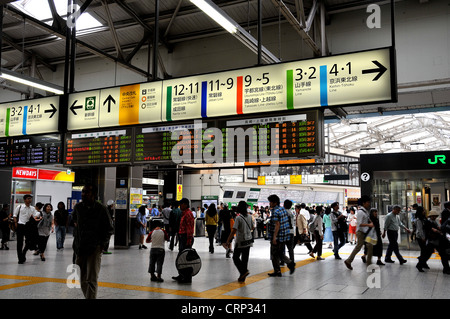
(105,147)
(32,150)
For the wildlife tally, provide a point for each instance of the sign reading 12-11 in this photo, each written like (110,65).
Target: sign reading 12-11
(362,77)
(29,117)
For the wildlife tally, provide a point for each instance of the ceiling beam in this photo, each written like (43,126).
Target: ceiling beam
(301,29)
(98,52)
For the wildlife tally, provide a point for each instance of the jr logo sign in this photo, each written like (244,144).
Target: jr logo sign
(437,158)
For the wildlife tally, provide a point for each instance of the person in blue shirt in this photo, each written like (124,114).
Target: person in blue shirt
(155,211)
(279,236)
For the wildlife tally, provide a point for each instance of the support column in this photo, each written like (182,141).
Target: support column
(124,227)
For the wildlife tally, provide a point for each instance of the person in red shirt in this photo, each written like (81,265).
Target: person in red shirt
(186,238)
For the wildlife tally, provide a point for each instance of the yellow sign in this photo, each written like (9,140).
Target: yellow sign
(261,180)
(129,105)
(179,191)
(296,179)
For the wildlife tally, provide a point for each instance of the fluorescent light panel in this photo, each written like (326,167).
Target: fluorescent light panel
(26,80)
(214,13)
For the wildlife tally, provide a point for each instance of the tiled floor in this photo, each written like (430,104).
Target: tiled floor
(124,276)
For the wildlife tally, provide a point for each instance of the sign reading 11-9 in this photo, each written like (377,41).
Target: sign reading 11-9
(362,77)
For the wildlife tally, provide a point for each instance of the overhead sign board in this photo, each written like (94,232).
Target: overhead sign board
(29,117)
(347,79)
(362,77)
(118,106)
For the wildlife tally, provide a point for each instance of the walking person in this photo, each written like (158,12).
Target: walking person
(186,239)
(279,235)
(157,237)
(392,224)
(316,227)
(31,242)
(363,224)
(339,228)
(302,230)
(174,225)
(141,224)
(420,221)
(45,227)
(93,227)
(211,220)
(166,216)
(110,208)
(242,228)
(290,243)
(22,214)
(377,249)
(435,241)
(352,225)
(327,221)
(225,218)
(4,226)
(61,222)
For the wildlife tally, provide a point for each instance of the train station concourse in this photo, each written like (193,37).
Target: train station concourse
(207,117)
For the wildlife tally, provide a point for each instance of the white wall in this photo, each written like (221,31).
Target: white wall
(59,191)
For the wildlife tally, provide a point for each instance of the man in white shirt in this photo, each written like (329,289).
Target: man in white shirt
(305,212)
(21,215)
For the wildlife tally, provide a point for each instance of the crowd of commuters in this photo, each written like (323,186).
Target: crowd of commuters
(283,225)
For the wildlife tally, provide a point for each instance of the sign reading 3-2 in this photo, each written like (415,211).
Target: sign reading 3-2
(29,117)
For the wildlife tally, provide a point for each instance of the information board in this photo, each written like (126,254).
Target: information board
(117,106)
(37,116)
(100,147)
(285,138)
(34,150)
(156,143)
(361,77)
(339,80)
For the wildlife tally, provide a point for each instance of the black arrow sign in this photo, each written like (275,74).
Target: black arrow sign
(75,107)
(52,110)
(380,70)
(109,99)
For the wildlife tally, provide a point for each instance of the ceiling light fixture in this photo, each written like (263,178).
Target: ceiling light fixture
(216,14)
(27,80)
(234,28)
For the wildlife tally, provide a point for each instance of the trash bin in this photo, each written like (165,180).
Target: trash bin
(199,227)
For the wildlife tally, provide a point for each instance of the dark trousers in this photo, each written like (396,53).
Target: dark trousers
(20,237)
(339,241)
(240,259)
(277,255)
(5,233)
(211,229)
(318,246)
(393,245)
(156,259)
(173,239)
(429,250)
(42,243)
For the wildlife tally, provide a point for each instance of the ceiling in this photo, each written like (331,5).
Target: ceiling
(128,25)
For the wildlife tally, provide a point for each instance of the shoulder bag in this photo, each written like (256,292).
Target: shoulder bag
(246,242)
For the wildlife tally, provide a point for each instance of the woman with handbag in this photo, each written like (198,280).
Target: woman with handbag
(243,227)
(302,229)
(45,226)
(316,227)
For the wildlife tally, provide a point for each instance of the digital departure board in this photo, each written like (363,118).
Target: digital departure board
(281,137)
(4,152)
(156,143)
(100,147)
(34,150)
(284,138)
